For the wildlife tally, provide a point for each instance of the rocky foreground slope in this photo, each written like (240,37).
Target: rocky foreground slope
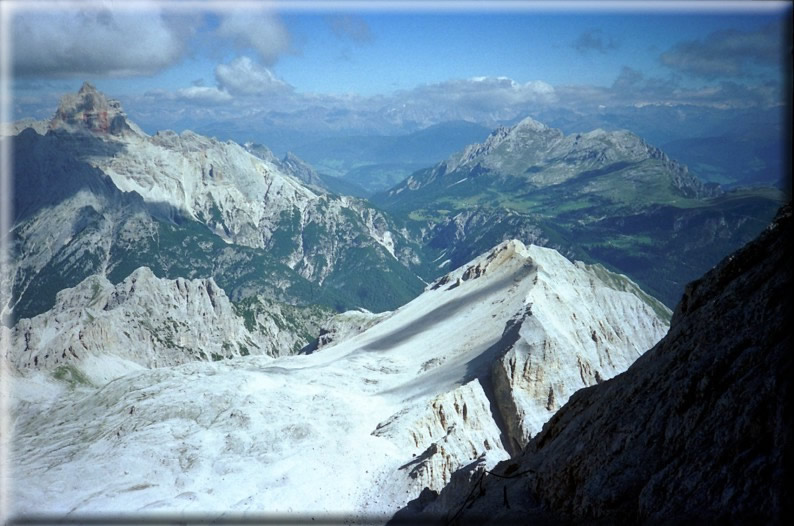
(468,370)
(697,430)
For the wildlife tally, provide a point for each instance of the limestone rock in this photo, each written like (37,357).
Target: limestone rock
(454,427)
(359,428)
(105,331)
(696,430)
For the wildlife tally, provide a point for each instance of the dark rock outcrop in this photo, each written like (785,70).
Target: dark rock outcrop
(697,430)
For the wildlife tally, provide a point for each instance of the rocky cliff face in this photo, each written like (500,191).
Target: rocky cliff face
(696,430)
(97,331)
(89,110)
(95,193)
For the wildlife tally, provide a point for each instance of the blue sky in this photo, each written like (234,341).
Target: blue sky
(406,50)
(194,60)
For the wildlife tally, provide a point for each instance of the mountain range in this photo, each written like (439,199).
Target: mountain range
(199,326)
(96,195)
(224,209)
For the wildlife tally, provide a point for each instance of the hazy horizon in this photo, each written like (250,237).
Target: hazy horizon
(331,68)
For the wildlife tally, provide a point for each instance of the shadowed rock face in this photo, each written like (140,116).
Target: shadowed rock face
(696,430)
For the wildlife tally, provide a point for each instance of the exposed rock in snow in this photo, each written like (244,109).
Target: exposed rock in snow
(357,428)
(98,332)
(346,325)
(697,430)
(453,426)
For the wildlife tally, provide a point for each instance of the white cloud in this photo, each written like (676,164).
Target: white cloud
(68,39)
(259,30)
(243,76)
(482,94)
(204,95)
(161,100)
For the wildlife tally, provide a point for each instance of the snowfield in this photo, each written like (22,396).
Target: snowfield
(468,370)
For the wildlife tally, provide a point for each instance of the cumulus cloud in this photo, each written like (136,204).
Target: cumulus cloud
(351,28)
(726,53)
(249,99)
(595,40)
(243,76)
(259,30)
(74,39)
(193,95)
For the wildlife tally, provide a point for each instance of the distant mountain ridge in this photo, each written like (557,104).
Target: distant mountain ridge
(298,168)
(530,155)
(599,196)
(605,197)
(378,162)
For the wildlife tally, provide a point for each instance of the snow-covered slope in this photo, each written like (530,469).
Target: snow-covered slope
(357,427)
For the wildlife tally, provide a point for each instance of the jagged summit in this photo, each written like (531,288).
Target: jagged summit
(104,331)
(89,110)
(184,182)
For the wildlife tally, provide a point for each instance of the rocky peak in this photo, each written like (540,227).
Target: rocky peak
(530,124)
(89,110)
(696,430)
(297,167)
(517,132)
(426,390)
(261,151)
(476,151)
